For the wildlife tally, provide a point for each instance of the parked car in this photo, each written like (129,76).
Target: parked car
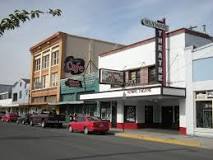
(24,119)
(9,117)
(47,118)
(1,114)
(89,124)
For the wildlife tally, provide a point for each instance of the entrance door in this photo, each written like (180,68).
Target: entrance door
(114,114)
(149,116)
(167,116)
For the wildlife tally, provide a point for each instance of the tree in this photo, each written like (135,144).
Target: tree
(20,16)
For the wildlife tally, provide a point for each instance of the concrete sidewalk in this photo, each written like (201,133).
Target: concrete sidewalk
(165,136)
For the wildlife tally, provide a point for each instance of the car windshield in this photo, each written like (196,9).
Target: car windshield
(93,119)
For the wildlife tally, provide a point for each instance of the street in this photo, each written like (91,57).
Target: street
(18,142)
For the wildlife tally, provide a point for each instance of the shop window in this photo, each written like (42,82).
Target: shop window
(204,114)
(129,114)
(105,110)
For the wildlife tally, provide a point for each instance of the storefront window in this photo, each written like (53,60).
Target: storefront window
(129,113)
(204,114)
(105,110)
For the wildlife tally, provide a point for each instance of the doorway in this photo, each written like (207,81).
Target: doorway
(149,116)
(167,116)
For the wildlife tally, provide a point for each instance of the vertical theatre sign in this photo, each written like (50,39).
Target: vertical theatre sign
(160,47)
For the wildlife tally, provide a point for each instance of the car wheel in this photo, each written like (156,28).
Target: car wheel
(43,124)
(70,129)
(86,131)
(31,123)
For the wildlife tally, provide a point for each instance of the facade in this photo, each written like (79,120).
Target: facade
(5,98)
(142,101)
(199,99)
(61,56)
(20,95)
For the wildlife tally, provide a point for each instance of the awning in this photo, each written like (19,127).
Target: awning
(136,93)
(66,102)
(9,105)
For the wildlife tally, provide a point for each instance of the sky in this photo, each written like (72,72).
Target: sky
(110,20)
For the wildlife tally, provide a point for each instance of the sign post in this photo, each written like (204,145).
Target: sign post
(160,47)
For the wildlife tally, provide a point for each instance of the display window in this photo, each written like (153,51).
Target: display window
(130,114)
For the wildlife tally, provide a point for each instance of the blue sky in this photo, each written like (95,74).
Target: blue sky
(110,20)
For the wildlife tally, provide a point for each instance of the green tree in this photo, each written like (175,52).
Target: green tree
(20,16)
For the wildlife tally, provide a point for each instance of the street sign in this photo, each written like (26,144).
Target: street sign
(154,24)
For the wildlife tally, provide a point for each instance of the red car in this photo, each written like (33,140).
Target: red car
(88,124)
(9,117)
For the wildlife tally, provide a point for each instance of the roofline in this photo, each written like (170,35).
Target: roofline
(152,39)
(61,33)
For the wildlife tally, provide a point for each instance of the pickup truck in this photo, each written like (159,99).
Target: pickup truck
(47,118)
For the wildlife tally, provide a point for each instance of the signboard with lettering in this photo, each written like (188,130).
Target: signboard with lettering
(142,92)
(160,47)
(107,76)
(73,65)
(73,83)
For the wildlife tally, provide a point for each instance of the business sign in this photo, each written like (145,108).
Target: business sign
(73,83)
(142,92)
(154,24)
(107,76)
(160,47)
(73,65)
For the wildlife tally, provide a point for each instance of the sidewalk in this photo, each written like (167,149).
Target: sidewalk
(165,136)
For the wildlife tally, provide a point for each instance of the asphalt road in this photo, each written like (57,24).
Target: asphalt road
(18,142)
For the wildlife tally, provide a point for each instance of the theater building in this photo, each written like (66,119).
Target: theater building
(140,88)
(61,56)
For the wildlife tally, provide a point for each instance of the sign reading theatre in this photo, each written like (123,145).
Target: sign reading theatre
(160,47)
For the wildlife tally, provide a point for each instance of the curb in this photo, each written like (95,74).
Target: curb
(188,143)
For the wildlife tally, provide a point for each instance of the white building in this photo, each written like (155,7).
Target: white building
(143,102)
(199,85)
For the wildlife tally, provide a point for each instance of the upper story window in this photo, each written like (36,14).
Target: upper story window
(20,94)
(37,64)
(55,57)
(44,81)
(45,61)
(151,75)
(54,79)
(37,83)
(134,76)
(14,97)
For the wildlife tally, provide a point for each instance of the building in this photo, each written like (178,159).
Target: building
(131,95)
(20,95)
(5,98)
(61,56)
(199,98)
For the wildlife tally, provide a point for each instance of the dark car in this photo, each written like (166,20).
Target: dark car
(24,119)
(47,118)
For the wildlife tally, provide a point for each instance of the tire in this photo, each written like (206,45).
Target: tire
(86,131)
(31,123)
(70,129)
(43,124)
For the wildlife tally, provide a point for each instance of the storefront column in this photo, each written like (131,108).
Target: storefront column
(120,114)
(182,115)
(140,114)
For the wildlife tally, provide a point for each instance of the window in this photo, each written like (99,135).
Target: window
(20,84)
(54,57)
(54,79)
(45,61)
(105,110)
(44,81)
(151,74)
(20,94)
(134,76)
(129,113)
(204,114)
(14,97)
(37,64)
(37,83)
